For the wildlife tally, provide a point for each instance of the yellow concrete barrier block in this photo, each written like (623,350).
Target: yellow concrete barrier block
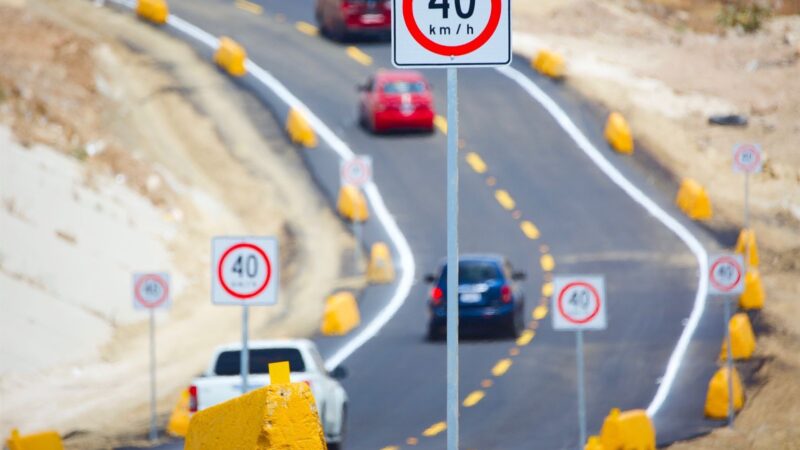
(549,63)
(753,295)
(743,340)
(300,131)
(341,314)
(380,268)
(746,245)
(628,430)
(593,443)
(352,205)
(278,416)
(155,11)
(230,56)
(717,397)
(618,133)
(47,440)
(178,424)
(693,199)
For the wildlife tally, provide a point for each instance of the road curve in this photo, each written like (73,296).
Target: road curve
(520,394)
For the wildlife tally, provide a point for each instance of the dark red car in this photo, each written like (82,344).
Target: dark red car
(396,100)
(341,19)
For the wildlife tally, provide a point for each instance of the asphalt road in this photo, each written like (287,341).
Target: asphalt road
(589,225)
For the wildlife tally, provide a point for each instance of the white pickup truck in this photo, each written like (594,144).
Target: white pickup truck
(222,380)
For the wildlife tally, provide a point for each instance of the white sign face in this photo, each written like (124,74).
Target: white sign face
(151,290)
(356,171)
(579,303)
(456,33)
(747,158)
(244,271)
(725,274)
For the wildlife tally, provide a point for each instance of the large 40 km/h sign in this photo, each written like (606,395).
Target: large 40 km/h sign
(244,271)
(451,33)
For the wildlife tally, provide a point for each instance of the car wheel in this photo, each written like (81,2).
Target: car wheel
(434,333)
(517,324)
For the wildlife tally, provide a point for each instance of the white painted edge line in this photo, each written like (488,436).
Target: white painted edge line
(642,199)
(380,211)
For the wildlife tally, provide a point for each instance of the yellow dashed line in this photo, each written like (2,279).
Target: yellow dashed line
(473,398)
(474,160)
(391,447)
(440,123)
(529,229)
(547,289)
(540,312)
(505,199)
(547,262)
(525,338)
(359,56)
(307,28)
(501,367)
(250,7)
(434,429)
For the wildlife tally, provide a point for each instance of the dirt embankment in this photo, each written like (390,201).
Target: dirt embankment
(122,151)
(667,65)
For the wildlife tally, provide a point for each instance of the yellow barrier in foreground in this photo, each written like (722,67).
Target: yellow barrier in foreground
(300,131)
(178,424)
(743,340)
(746,245)
(693,199)
(352,205)
(155,11)
(717,397)
(230,56)
(279,416)
(549,63)
(341,314)
(630,430)
(753,295)
(381,268)
(618,133)
(47,440)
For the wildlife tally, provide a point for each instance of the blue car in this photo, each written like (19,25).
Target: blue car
(489,297)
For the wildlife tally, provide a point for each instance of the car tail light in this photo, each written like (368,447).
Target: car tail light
(193,399)
(505,294)
(436,296)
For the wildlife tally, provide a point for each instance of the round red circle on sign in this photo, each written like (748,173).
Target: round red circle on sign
(138,290)
(245,295)
(743,150)
(361,174)
(452,50)
(713,279)
(588,287)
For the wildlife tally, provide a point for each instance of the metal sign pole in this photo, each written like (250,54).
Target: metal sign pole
(153,430)
(581,394)
(357,250)
(452,258)
(244,360)
(730,360)
(747,199)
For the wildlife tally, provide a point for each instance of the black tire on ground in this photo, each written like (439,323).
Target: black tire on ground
(434,333)
(517,324)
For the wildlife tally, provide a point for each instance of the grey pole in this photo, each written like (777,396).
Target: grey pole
(357,249)
(452,259)
(730,360)
(153,429)
(747,199)
(581,394)
(244,360)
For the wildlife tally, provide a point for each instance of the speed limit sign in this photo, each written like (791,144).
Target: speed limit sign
(747,158)
(151,290)
(455,33)
(579,303)
(726,274)
(244,271)
(356,171)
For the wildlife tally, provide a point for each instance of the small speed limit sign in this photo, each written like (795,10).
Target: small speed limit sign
(356,171)
(244,271)
(456,33)
(151,290)
(726,274)
(579,303)
(747,158)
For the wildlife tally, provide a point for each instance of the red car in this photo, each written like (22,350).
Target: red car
(396,100)
(340,19)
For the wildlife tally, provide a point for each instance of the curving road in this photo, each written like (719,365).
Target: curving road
(584,221)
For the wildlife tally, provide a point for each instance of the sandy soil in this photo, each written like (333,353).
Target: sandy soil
(666,66)
(147,153)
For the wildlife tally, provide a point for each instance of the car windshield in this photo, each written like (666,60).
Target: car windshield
(473,272)
(404,87)
(228,362)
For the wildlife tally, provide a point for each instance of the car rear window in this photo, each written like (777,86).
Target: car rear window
(228,362)
(473,272)
(404,87)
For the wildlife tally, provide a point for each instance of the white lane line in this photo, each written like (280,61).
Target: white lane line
(639,197)
(371,190)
